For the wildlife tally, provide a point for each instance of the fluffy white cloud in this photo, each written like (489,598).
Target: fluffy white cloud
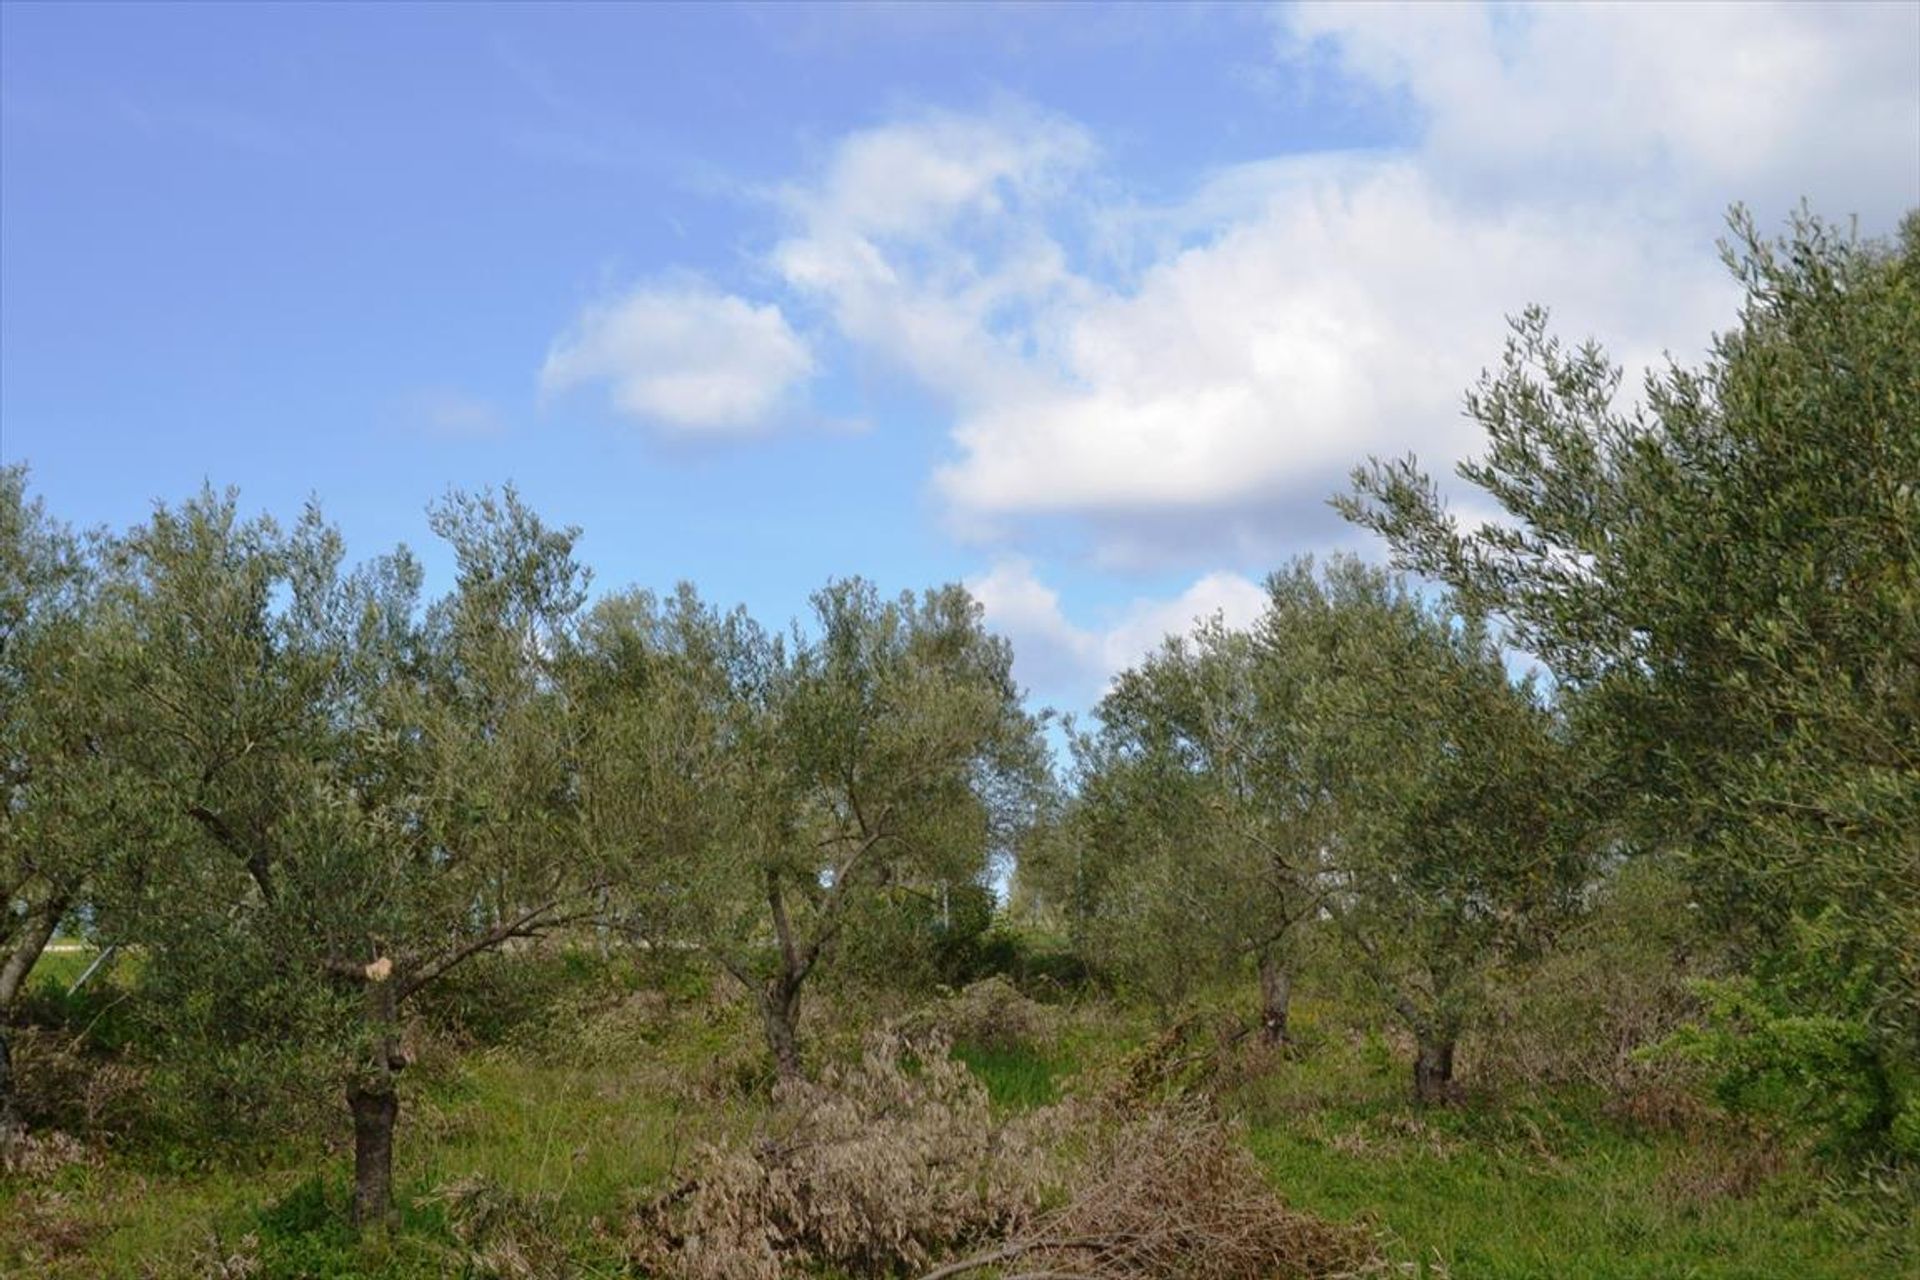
(1242,347)
(1058,658)
(689,359)
(1345,318)
(927,242)
(1707,101)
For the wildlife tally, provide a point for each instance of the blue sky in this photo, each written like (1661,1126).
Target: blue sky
(1089,307)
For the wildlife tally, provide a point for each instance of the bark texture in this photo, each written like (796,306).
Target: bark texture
(375,1104)
(1433,1070)
(10,1127)
(375,1110)
(780,1012)
(1276,995)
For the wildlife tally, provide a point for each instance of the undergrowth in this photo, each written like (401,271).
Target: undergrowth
(528,1144)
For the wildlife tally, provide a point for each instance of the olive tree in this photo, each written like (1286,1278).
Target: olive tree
(756,792)
(1724,580)
(378,791)
(1197,823)
(70,818)
(1457,840)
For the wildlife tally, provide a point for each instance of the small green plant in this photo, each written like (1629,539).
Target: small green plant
(1015,1078)
(1792,1041)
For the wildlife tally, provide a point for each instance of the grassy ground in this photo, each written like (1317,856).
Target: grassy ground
(577,1145)
(567,1143)
(1544,1190)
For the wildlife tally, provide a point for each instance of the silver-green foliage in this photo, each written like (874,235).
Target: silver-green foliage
(753,794)
(1724,580)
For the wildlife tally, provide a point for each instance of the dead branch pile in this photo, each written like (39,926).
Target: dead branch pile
(989,1014)
(1173,1193)
(891,1163)
(899,1166)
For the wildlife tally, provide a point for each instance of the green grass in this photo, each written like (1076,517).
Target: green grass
(1605,1213)
(61,965)
(585,1135)
(1547,1188)
(1015,1078)
(573,1144)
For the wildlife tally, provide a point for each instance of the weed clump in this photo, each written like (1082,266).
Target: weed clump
(505,1235)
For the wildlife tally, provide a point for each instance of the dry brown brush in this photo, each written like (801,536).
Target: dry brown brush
(899,1166)
(1173,1193)
(889,1163)
(990,1014)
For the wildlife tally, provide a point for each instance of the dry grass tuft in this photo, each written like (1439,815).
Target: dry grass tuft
(1652,1105)
(217,1260)
(504,1234)
(1723,1170)
(35,1157)
(41,1227)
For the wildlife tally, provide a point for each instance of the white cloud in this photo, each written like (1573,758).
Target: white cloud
(688,359)
(1704,102)
(1241,348)
(1056,657)
(1346,317)
(926,241)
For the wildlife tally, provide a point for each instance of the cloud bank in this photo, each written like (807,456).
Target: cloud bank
(1181,379)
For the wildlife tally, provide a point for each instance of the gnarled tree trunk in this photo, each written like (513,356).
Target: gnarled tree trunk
(1433,1068)
(780,1012)
(375,1104)
(9,1109)
(27,949)
(25,952)
(1276,994)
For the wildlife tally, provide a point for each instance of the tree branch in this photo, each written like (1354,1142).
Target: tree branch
(528,924)
(227,838)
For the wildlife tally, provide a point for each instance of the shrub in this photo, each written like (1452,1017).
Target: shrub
(525,995)
(1587,1013)
(1791,1041)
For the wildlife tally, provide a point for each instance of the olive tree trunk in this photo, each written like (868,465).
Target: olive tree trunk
(1433,1068)
(375,1104)
(9,1110)
(25,952)
(374,1112)
(780,1013)
(1276,995)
